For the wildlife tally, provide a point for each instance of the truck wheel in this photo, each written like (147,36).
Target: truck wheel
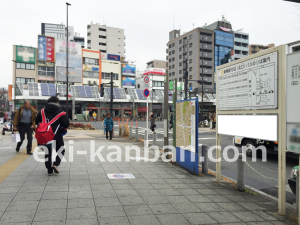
(249,144)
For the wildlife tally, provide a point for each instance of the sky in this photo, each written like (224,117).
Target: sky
(146,23)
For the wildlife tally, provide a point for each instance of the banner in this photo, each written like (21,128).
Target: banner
(75,54)
(25,54)
(46,48)
(113,57)
(75,75)
(128,82)
(128,70)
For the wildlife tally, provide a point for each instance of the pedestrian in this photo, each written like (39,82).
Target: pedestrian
(214,120)
(87,114)
(152,120)
(59,128)
(5,128)
(108,126)
(171,121)
(24,123)
(95,116)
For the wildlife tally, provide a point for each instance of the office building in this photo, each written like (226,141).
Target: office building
(189,47)
(155,63)
(255,48)
(293,47)
(58,31)
(241,45)
(106,39)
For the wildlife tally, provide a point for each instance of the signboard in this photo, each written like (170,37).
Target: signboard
(128,82)
(187,134)
(146,93)
(155,71)
(251,84)
(75,75)
(120,176)
(25,54)
(113,57)
(46,48)
(46,78)
(128,70)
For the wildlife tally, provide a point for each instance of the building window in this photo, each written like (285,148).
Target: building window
(103,51)
(180,41)
(101,36)
(180,71)
(180,79)
(191,77)
(190,53)
(106,76)
(170,67)
(191,36)
(173,52)
(46,71)
(24,80)
(173,74)
(173,66)
(170,46)
(180,64)
(191,45)
(180,49)
(173,59)
(103,44)
(191,61)
(138,86)
(191,69)
(102,29)
(90,61)
(170,74)
(158,83)
(190,85)
(173,44)
(90,74)
(180,57)
(26,66)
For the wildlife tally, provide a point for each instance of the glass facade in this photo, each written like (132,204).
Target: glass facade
(223,46)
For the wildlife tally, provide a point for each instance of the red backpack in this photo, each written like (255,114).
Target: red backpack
(44,132)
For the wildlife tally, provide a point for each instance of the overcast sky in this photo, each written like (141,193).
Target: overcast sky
(146,23)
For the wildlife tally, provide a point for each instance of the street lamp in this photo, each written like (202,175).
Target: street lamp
(67,61)
(202,81)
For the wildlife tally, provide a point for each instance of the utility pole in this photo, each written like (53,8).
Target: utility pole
(111,93)
(202,103)
(166,109)
(67,62)
(186,69)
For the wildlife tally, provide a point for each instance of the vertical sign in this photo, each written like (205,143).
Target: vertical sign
(46,49)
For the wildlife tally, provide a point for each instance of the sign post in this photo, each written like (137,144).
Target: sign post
(146,93)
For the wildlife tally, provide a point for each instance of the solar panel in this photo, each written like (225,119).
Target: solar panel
(33,89)
(153,95)
(132,93)
(61,89)
(140,94)
(160,95)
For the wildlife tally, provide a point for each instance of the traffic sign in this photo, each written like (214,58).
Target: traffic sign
(146,93)
(146,79)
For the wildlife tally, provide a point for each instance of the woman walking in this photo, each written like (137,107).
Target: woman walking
(108,126)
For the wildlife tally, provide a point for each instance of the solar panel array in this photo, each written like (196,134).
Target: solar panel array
(61,89)
(132,93)
(118,93)
(19,88)
(160,95)
(153,95)
(47,89)
(85,91)
(95,92)
(33,89)
(140,94)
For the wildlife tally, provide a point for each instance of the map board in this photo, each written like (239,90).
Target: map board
(187,134)
(251,84)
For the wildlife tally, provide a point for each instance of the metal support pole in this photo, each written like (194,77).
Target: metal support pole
(111,93)
(202,103)
(218,156)
(166,108)
(67,62)
(174,113)
(123,130)
(205,159)
(154,138)
(73,108)
(240,173)
(137,134)
(130,132)
(146,136)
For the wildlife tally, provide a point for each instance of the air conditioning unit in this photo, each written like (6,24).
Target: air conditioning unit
(89,82)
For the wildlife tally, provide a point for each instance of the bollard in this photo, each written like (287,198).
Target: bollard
(145,135)
(240,173)
(123,130)
(205,159)
(137,134)
(154,138)
(130,132)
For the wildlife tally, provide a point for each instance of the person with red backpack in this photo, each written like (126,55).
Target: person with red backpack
(52,123)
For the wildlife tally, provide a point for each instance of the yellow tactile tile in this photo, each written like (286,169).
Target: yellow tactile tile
(7,168)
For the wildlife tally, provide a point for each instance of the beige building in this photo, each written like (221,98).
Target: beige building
(24,68)
(163,64)
(255,48)
(107,39)
(91,74)
(108,66)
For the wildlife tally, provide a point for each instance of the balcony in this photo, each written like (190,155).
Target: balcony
(88,38)
(88,31)
(206,71)
(205,63)
(206,55)
(167,50)
(89,45)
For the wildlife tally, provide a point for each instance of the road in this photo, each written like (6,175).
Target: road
(264,178)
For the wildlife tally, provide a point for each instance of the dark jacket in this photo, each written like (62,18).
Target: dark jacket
(171,119)
(18,116)
(52,110)
(109,124)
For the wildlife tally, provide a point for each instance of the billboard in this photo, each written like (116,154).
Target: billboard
(128,82)
(25,54)
(128,70)
(155,71)
(46,48)
(113,57)
(75,61)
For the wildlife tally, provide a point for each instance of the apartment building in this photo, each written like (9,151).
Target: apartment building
(241,45)
(186,51)
(155,63)
(255,48)
(58,31)
(106,39)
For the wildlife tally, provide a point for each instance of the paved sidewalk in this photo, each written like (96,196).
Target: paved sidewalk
(160,193)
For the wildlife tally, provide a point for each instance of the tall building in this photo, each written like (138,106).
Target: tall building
(241,45)
(255,48)
(58,31)
(155,63)
(106,39)
(189,47)
(293,47)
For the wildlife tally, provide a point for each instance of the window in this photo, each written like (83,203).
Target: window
(173,59)
(106,76)
(90,74)
(90,61)
(103,51)
(170,46)
(102,29)
(191,36)
(170,60)
(180,71)
(180,49)
(24,80)
(191,69)
(191,77)
(173,44)
(46,71)
(103,44)
(158,83)
(138,86)
(180,64)
(190,53)
(180,57)
(191,45)
(26,66)
(180,41)
(190,85)
(173,66)
(170,67)
(173,74)
(173,52)
(100,36)
(191,61)
(180,79)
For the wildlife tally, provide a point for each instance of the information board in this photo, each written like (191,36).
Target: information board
(251,84)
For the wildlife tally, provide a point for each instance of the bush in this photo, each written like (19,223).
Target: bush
(80,126)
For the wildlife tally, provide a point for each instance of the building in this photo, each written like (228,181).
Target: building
(255,48)
(155,63)
(293,47)
(58,31)
(91,74)
(77,38)
(241,45)
(189,47)
(111,63)
(106,39)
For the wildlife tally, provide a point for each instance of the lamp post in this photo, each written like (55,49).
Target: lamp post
(67,61)
(202,82)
